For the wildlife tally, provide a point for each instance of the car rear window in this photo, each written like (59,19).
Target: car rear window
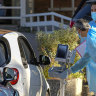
(85,13)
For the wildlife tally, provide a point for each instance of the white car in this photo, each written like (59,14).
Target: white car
(7,91)
(17,53)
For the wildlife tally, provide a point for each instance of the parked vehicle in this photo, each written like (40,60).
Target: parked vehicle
(17,53)
(8,91)
(5,88)
(83,11)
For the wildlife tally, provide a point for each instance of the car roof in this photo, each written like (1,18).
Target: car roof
(3,31)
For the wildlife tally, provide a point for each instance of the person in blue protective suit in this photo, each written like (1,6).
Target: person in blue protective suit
(89,58)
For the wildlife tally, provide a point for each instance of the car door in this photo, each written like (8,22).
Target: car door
(32,76)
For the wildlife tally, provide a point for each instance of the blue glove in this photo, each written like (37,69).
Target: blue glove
(57,73)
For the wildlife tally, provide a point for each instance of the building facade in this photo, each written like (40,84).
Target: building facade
(11,11)
(64,7)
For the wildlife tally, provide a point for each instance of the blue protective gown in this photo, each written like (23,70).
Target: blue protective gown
(82,39)
(89,58)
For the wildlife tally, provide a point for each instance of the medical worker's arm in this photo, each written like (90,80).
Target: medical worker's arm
(81,63)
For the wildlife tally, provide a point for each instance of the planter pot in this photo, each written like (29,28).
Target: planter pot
(73,87)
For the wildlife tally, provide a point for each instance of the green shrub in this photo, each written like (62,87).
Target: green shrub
(48,46)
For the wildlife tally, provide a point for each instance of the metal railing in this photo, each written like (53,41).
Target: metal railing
(41,21)
(4,8)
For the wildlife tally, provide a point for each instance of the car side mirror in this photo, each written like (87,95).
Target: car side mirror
(44,60)
(8,74)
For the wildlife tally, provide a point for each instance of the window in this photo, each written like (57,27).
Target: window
(3,54)
(26,51)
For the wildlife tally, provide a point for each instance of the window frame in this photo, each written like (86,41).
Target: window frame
(30,49)
(79,15)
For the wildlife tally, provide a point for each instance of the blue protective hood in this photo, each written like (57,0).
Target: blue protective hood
(92,32)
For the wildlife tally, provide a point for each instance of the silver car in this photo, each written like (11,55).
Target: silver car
(8,91)
(17,53)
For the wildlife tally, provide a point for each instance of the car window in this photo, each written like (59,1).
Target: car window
(3,54)
(26,50)
(85,13)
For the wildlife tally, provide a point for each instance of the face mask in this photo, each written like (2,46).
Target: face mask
(93,15)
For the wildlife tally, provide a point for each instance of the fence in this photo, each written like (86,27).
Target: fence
(47,22)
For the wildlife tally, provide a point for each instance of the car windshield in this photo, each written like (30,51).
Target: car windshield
(85,13)
(2,54)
